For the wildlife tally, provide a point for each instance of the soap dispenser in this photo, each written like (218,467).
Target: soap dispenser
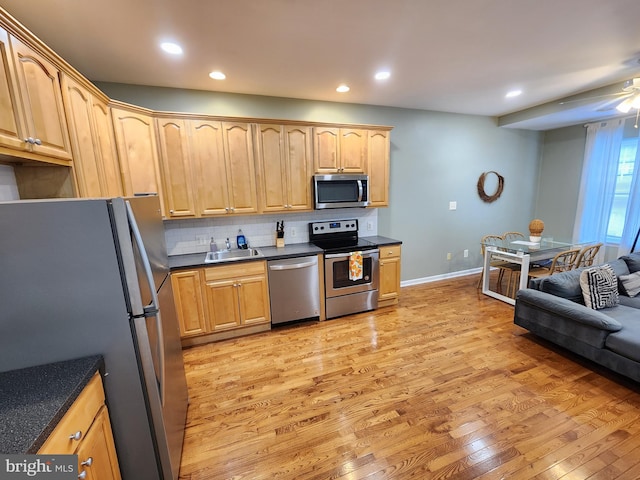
(212,246)
(241,240)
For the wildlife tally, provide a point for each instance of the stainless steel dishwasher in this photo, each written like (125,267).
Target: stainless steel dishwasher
(294,289)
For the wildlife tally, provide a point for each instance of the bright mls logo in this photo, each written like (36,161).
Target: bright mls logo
(49,467)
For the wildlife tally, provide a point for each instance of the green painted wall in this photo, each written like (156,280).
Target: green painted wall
(435,158)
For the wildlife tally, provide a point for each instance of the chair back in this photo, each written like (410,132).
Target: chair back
(564,261)
(511,236)
(587,255)
(493,240)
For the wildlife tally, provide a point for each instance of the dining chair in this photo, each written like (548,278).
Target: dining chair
(496,241)
(511,236)
(587,255)
(562,262)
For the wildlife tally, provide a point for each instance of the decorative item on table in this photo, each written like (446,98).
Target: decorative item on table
(241,240)
(536,226)
(280,233)
(355,266)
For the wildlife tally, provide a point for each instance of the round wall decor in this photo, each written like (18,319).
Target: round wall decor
(483,195)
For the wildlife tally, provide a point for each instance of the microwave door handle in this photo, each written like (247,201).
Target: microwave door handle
(360,190)
(152,310)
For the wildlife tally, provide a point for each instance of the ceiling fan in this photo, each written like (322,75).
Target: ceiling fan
(624,101)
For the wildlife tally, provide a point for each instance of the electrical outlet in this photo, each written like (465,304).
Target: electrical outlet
(453,205)
(292,231)
(449,256)
(369,226)
(202,240)
(466,253)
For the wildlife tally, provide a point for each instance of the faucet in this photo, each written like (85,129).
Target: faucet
(228,244)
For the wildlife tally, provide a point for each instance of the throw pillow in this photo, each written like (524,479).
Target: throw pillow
(633,261)
(599,287)
(630,284)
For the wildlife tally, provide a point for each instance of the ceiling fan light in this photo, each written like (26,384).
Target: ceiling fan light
(635,101)
(625,106)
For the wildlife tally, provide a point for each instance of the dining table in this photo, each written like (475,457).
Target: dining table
(524,253)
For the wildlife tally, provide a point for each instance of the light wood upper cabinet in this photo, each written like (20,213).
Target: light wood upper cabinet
(209,167)
(137,151)
(95,162)
(10,116)
(241,174)
(284,159)
(32,117)
(176,167)
(339,150)
(378,168)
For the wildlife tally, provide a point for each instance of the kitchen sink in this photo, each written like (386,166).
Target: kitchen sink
(231,255)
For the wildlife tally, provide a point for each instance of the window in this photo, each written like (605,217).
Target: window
(618,214)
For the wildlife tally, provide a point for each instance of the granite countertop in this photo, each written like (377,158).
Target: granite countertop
(194,260)
(33,400)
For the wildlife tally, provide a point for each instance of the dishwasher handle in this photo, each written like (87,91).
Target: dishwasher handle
(294,266)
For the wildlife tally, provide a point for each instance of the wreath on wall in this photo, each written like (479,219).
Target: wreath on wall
(483,195)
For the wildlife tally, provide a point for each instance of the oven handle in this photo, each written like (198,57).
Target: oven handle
(365,253)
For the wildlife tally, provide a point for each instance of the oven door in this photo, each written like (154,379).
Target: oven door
(336,269)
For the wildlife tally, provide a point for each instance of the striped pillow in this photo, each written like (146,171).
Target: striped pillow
(630,284)
(599,287)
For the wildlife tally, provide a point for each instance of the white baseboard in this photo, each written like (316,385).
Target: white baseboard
(444,276)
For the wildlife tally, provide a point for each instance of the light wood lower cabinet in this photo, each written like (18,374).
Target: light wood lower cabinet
(389,287)
(224,301)
(85,430)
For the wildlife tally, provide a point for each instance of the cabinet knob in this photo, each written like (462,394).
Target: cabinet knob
(82,474)
(29,140)
(76,436)
(88,462)
(37,141)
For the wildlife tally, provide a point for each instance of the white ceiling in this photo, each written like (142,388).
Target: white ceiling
(458,56)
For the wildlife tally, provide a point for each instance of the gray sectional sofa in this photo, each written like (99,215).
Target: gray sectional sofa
(553,308)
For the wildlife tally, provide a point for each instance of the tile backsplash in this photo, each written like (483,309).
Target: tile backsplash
(194,235)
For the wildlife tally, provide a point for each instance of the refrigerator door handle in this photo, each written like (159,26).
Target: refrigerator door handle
(152,310)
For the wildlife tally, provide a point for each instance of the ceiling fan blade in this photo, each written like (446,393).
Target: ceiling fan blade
(620,96)
(612,104)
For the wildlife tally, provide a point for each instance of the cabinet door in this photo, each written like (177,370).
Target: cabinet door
(353,150)
(87,165)
(187,292)
(137,150)
(241,176)
(378,168)
(271,161)
(176,167)
(326,151)
(106,144)
(97,454)
(39,84)
(11,129)
(209,168)
(222,304)
(297,148)
(253,296)
(389,288)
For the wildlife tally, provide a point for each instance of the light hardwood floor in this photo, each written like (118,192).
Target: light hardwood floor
(443,386)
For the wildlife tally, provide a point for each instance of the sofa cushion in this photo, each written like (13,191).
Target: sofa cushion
(633,302)
(599,287)
(562,284)
(619,267)
(625,342)
(633,261)
(629,285)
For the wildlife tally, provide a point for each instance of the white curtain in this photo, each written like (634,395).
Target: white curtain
(597,187)
(632,219)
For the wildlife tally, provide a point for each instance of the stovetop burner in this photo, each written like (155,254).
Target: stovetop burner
(338,236)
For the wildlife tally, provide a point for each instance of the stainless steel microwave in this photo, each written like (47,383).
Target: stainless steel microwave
(341,190)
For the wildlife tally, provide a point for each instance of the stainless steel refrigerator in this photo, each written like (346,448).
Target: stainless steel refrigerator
(84,277)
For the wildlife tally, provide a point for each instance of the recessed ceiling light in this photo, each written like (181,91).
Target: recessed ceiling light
(172,48)
(513,93)
(383,75)
(217,75)
(342,89)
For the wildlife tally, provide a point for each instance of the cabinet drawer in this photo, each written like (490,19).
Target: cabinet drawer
(392,251)
(77,419)
(242,269)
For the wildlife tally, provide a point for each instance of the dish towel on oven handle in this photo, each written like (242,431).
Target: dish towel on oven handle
(355,266)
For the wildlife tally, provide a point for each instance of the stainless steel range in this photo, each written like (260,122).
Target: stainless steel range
(346,293)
